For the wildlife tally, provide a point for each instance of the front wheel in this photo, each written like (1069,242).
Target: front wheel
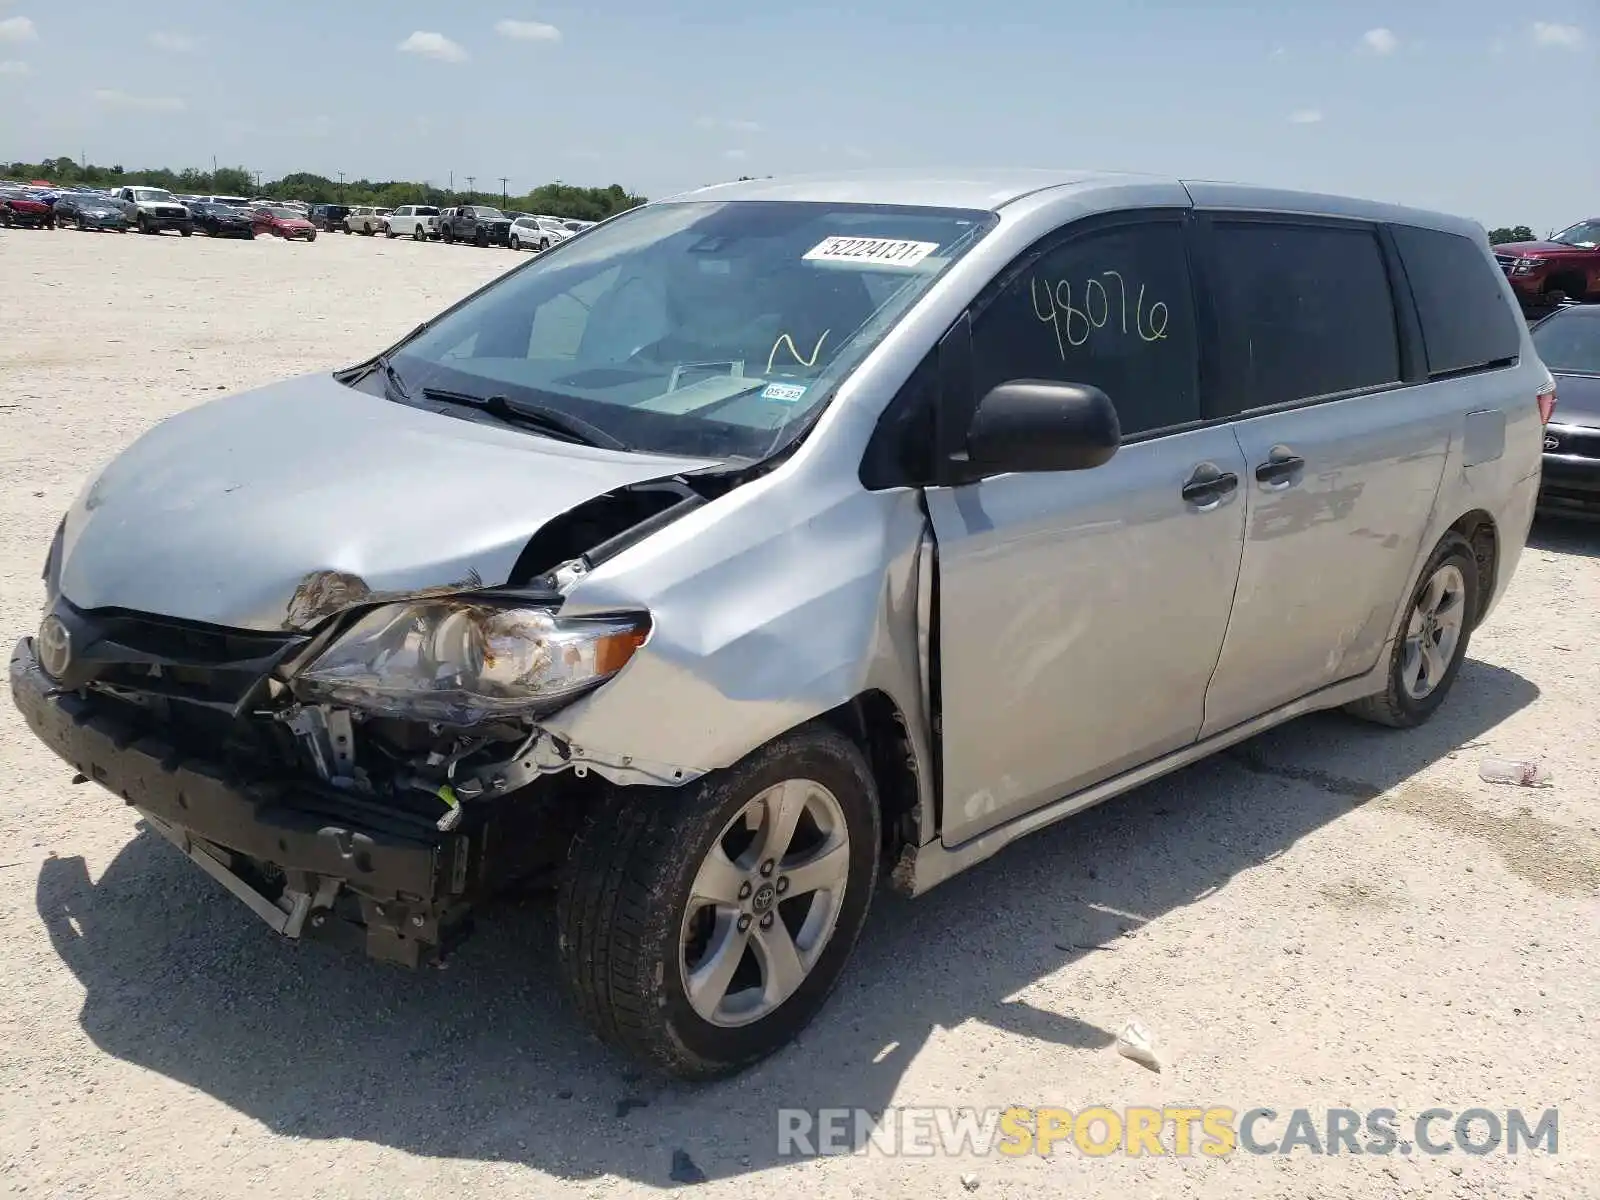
(185,230)
(144,224)
(388,232)
(312,236)
(544,244)
(447,235)
(702,927)
(1432,641)
(516,242)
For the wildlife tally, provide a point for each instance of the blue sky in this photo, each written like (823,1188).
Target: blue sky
(1485,109)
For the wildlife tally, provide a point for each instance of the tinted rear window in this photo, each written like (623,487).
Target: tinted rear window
(1466,321)
(1306,311)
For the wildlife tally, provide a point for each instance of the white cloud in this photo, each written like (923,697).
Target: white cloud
(527,31)
(736,155)
(1305,116)
(175,43)
(433,45)
(18,29)
(1565,37)
(15,68)
(1381,42)
(732,126)
(112,98)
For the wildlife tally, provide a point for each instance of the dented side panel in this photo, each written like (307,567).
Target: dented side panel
(771,606)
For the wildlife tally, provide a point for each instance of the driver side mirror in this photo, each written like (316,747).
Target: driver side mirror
(1036,425)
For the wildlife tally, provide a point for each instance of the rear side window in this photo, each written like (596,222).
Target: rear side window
(1466,322)
(1112,309)
(1305,311)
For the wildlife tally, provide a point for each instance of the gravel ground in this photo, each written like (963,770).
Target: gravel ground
(1332,915)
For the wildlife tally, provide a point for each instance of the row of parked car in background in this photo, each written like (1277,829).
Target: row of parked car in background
(153,210)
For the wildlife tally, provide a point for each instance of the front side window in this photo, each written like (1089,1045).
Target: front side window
(1111,309)
(1305,311)
(700,327)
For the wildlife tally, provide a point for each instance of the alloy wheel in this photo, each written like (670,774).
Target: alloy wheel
(764,903)
(1433,631)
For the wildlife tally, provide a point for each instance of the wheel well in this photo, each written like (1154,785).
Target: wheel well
(874,723)
(1574,285)
(1479,529)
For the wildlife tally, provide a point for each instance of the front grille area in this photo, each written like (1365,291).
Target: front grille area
(143,655)
(1572,440)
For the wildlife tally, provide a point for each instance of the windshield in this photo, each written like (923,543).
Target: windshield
(284,214)
(1585,235)
(1569,342)
(697,328)
(153,194)
(426,210)
(487,213)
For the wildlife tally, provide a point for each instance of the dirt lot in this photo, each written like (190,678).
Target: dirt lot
(1332,915)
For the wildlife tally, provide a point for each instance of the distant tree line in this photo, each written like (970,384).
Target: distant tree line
(554,199)
(1516,233)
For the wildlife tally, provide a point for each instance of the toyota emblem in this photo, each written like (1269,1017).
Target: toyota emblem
(55,646)
(1551,442)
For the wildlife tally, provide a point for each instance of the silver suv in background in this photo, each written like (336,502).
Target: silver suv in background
(417,221)
(366,220)
(810,534)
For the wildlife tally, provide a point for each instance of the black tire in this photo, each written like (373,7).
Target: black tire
(544,244)
(185,230)
(388,231)
(515,243)
(144,224)
(622,905)
(347,231)
(419,233)
(1395,706)
(447,235)
(83,226)
(312,236)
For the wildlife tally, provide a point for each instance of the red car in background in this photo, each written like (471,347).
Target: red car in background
(17,207)
(1566,267)
(282,222)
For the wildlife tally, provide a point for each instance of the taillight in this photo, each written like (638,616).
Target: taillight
(1546,396)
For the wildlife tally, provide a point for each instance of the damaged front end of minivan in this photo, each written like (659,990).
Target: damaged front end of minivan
(363,761)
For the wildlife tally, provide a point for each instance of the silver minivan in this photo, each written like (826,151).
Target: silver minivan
(782,536)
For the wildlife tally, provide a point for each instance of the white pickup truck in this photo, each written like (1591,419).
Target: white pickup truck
(419,221)
(153,209)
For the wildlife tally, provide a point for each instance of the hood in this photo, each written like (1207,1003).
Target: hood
(1577,400)
(1538,249)
(274,508)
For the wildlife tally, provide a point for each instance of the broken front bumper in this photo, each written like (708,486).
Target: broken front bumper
(318,864)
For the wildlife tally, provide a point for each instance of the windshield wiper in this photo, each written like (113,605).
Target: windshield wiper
(534,416)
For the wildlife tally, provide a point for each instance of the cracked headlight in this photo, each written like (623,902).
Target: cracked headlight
(461,661)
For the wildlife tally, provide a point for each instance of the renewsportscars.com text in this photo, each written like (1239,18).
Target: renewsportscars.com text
(1173,1130)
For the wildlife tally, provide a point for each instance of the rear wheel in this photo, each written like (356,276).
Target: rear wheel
(144,224)
(1432,641)
(419,233)
(702,927)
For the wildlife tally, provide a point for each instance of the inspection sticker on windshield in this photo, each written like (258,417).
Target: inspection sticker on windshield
(879,252)
(787,392)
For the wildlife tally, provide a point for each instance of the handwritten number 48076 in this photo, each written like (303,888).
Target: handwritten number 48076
(1074,325)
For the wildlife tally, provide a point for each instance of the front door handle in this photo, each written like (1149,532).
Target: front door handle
(1281,469)
(1207,486)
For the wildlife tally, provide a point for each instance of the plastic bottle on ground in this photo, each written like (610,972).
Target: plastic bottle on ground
(1522,772)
